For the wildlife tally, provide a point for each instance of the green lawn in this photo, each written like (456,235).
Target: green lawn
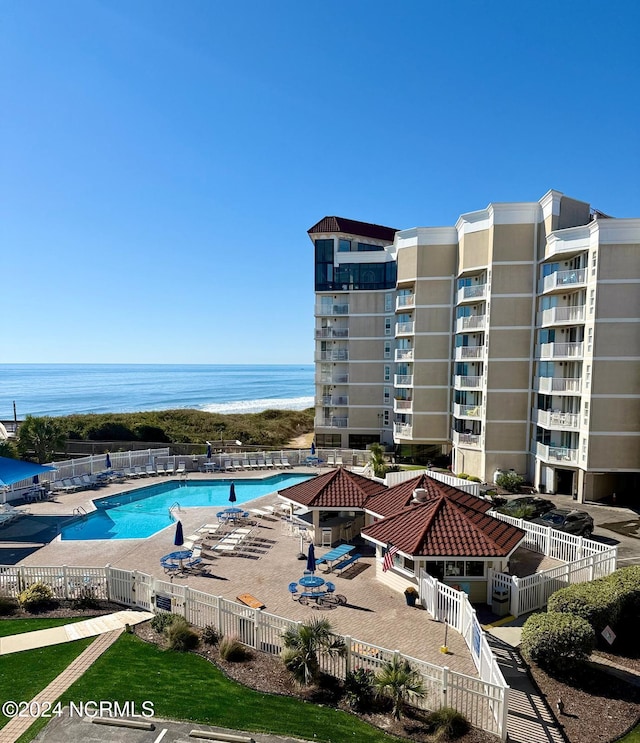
(18,626)
(632,737)
(184,686)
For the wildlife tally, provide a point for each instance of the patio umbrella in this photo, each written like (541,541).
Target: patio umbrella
(232,493)
(14,470)
(179,537)
(208,450)
(313,448)
(36,480)
(311,559)
(107,462)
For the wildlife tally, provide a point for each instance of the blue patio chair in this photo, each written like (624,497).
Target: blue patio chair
(293,590)
(194,564)
(330,586)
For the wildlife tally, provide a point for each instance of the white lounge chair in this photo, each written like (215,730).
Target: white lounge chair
(170,468)
(262,465)
(269,463)
(181,469)
(236,466)
(151,472)
(160,470)
(286,464)
(226,465)
(253,464)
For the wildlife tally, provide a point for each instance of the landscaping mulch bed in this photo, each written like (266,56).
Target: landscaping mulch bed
(65,609)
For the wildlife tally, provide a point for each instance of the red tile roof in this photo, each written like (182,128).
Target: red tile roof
(444,526)
(399,496)
(353,227)
(338,488)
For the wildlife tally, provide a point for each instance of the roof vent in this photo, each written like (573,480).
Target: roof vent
(419,495)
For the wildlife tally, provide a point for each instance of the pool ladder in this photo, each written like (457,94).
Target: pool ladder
(174,507)
(79,511)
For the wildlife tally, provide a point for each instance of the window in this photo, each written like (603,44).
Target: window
(324,251)
(585,406)
(344,246)
(366,247)
(589,339)
(386,395)
(592,300)
(387,325)
(456,568)
(388,302)
(386,418)
(387,349)
(387,373)
(594,260)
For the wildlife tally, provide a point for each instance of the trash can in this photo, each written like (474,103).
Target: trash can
(500,602)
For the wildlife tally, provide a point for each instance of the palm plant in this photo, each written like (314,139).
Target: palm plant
(377,460)
(303,643)
(41,436)
(398,680)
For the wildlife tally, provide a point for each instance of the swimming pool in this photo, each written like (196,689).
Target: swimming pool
(140,513)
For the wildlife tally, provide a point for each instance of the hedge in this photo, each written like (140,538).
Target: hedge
(557,642)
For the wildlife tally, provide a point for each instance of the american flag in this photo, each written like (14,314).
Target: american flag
(388,557)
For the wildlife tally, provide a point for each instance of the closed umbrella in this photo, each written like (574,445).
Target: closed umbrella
(36,480)
(107,462)
(232,493)
(311,559)
(208,450)
(313,448)
(179,537)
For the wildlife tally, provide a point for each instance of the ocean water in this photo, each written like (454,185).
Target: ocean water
(62,389)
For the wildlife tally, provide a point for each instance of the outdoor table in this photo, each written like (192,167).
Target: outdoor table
(311,581)
(337,553)
(179,556)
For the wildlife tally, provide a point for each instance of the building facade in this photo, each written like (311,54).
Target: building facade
(510,339)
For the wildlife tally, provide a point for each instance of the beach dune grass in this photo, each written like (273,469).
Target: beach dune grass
(184,686)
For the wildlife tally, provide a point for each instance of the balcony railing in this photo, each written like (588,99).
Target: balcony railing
(328,310)
(403,406)
(333,401)
(468,440)
(561,315)
(560,350)
(404,328)
(403,430)
(471,322)
(559,384)
(467,411)
(404,354)
(562,280)
(467,293)
(554,419)
(341,354)
(403,380)
(332,332)
(332,422)
(405,300)
(467,383)
(336,378)
(464,353)
(556,453)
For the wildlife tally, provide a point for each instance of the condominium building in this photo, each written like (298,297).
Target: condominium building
(510,339)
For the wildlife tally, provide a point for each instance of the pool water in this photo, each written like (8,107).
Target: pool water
(140,513)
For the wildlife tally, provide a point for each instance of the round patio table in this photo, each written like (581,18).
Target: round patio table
(311,581)
(179,555)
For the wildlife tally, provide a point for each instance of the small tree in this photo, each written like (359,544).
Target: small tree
(510,481)
(303,643)
(377,460)
(398,681)
(557,642)
(42,436)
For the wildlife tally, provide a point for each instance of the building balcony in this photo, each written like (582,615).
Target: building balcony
(339,354)
(563,281)
(561,316)
(335,378)
(331,422)
(403,430)
(467,383)
(562,385)
(556,454)
(554,419)
(405,300)
(403,406)
(466,440)
(464,353)
(333,401)
(560,350)
(404,328)
(404,354)
(467,411)
(322,333)
(403,380)
(471,293)
(471,322)
(329,310)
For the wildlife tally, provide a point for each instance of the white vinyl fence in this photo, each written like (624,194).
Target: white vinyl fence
(482,700)
(584,560)
(393,478)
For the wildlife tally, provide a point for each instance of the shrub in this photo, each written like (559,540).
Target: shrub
(210,635)
(7,606)
(36,596)
(399,681)
(232,649)
(447,723)
(598,602)
(180,636)
(163,620)
(359,689)
(473,478)
(462,476)
(86,599)
(557,642)
(510,481)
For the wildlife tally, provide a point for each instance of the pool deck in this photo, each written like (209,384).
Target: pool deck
(373,613)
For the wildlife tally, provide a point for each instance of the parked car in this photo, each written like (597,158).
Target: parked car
(526,507)
(565,519)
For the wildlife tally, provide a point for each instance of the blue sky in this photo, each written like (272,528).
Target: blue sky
(162,161)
